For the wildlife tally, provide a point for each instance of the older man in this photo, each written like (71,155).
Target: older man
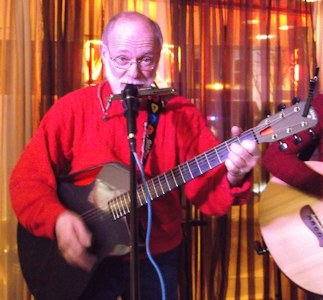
(72,137)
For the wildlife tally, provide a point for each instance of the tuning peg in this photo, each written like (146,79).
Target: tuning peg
(281,107)
(296,100)
(297,139)
(282,146)
(260,249)
(312,134)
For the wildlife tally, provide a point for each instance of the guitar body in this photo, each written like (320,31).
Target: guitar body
(47,274)
(291,225)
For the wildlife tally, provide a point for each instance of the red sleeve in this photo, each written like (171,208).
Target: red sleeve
(211,192)
(33,180)
(288,165)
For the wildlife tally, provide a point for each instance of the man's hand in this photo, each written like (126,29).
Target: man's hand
(242,158)
(73,241)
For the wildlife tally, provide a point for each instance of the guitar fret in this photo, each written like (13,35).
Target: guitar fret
(218,156)
(174,179)
(110,205)
(166,184)
(156,193)
(178,176)
(197,163)
(165,176)
(213,158)
(122,211)
(222,153)
(113,207)
(139,195)
(125,206)
(149,191)
(126,200)
(189,169)
(203,165)
(185,171)
(180,171)
(118,209)
(157,186)
(170,179)
(161,186)
(207,160)
(227,145)
(143,193)
(194,171)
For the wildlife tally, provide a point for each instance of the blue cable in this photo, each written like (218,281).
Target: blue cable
(149,216)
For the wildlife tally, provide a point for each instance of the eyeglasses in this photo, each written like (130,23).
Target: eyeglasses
(122,62)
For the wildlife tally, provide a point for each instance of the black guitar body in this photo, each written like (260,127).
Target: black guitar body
(47,275)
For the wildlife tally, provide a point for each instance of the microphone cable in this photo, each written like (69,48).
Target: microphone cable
(149,219)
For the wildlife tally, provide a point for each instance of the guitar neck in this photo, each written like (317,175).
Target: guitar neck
(273,128)
(176,177)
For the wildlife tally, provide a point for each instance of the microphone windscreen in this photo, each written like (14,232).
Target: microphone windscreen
(130,91)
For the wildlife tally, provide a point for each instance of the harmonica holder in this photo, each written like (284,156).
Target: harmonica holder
(142,93)
(146,92)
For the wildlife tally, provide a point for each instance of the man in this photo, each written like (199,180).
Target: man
(73,137)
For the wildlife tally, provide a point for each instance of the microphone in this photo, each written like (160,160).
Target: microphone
(130,106)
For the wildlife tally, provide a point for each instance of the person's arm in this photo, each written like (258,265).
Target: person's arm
(33,190)
(288,165)
(212,192)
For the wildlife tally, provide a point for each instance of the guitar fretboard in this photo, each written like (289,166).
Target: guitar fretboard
(176,177)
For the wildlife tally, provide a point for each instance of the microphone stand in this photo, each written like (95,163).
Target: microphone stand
(130,105)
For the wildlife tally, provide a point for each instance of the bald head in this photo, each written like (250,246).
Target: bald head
(129,18)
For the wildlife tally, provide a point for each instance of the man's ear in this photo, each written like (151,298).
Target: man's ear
(103,50)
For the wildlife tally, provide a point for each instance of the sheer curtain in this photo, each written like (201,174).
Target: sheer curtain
(236,60)
(19,23)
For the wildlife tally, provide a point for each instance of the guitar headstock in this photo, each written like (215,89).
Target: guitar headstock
(286,123)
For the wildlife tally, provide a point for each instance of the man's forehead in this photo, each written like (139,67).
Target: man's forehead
(127,44)
(129,34)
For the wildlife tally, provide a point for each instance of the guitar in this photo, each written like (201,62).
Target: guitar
(100,196)
(290,223)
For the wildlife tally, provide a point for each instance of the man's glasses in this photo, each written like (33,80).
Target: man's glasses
(124,63)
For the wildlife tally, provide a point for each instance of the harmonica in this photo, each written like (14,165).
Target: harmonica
(149,91)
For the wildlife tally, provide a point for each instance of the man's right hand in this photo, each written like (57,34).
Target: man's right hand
(74,239)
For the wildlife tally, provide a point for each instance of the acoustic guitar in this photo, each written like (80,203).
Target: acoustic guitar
(100,196)
(291,223)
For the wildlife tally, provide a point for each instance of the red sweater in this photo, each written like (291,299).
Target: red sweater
(289,165)
(72,137)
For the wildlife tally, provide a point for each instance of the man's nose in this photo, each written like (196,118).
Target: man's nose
(134,69)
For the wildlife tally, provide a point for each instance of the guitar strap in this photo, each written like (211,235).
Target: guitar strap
(154,108)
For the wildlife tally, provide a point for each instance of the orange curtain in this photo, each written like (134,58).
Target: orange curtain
(237,61)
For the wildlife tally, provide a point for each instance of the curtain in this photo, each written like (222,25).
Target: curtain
(19,23)
(236,60)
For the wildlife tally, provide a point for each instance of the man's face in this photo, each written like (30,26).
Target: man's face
(130,43)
